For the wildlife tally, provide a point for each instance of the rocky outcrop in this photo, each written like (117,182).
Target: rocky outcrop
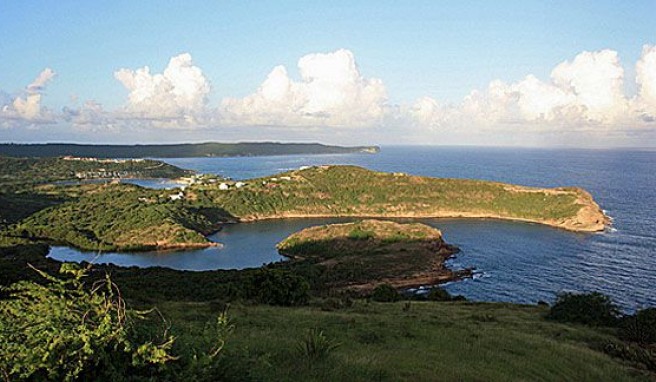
(359,256)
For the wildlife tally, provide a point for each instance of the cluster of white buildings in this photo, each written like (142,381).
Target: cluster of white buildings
(227,186)
(91,159)
(102,173)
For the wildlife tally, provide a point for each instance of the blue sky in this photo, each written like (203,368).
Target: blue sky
(437,49)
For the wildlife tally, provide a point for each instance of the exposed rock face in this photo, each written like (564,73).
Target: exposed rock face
(589,218)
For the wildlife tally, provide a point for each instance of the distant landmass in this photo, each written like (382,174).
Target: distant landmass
(185,150)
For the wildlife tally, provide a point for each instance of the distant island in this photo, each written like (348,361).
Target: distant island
(185,150)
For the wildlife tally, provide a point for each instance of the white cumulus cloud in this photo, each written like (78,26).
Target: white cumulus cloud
(586,91)
(596,80)
(180,92)
(41,81)
(331,92)
(646,80)
(26,108)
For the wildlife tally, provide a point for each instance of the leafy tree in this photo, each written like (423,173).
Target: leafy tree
(65,330)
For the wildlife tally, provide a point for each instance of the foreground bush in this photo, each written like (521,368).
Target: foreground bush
(280,287)
(589,308)
(63,330)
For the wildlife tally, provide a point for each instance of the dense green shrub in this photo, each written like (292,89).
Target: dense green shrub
(65,330)
(279,287)
(438,294)
(640,327)
(385,293)
(589,308)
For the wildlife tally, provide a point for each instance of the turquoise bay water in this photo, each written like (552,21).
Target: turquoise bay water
(515,262)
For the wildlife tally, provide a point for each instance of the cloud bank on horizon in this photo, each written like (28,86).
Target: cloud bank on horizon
(586,93)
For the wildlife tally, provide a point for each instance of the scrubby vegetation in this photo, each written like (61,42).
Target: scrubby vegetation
(640,327)
(24,189)
(126,217)
(62,331)
(79,328)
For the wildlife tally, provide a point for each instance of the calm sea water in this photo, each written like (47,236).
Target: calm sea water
(515,262)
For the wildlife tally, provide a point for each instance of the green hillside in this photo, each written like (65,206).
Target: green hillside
(119,216)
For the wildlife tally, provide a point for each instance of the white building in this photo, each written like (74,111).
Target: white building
(224,186)
(240,184)
(177,196)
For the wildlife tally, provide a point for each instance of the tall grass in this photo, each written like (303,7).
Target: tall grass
(316,346)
